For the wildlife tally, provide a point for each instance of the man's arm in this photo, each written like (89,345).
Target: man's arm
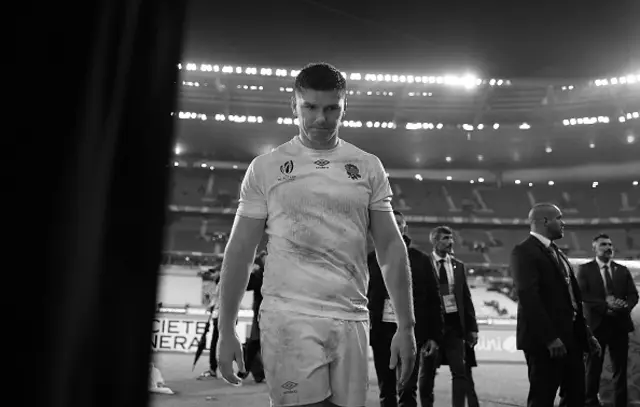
(588,296)
(239,254)
(469,309)
(526,280)
(246,233)
(394,263)
(632,291)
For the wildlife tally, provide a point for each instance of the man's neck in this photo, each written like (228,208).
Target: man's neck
(541,233)
(603,260)
(328,145)
(442,254)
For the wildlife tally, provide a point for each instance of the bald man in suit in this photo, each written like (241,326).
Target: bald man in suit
(551,328)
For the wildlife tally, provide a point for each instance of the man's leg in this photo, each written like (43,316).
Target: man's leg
(572,373)
(348,347)
(426,377)
(544,378)
(253,347)
(213,361)
(408,395)
(472,397)
(381,346)
(619,353)
(295,358)
(593,370)
(454,351)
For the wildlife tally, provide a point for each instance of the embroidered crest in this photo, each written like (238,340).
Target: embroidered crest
(352,171)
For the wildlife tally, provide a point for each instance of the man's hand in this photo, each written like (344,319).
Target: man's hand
(430,348)
(230,350)
(473,339)
(594,347)
(403,353)
(557,348)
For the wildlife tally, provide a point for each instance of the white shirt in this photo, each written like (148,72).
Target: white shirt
(448,266)
(601,265)
(316,205)
(544,240)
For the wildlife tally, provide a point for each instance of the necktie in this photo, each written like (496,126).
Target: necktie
(565,272)
(554,252)
(444,281)
(608,280)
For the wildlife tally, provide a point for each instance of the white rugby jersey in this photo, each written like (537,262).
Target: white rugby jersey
(316,204)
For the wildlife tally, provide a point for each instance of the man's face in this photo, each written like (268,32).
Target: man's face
(319,113)
(603,248)
(554,224)
(444,243)
(402,224)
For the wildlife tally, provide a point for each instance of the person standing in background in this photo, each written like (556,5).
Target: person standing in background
(460,325)
(428,315)
(253,362)
(213,307)
(551,329)
(608,296)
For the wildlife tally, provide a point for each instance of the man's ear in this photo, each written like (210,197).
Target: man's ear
(293,106)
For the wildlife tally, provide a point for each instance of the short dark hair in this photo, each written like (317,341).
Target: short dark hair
(320,76)
(398,213)
(439,230)
(601,236)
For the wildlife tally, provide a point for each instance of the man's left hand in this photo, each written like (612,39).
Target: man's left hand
(473,339)
(594,347)
(430,348)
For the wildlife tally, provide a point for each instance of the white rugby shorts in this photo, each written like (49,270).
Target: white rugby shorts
(310,359)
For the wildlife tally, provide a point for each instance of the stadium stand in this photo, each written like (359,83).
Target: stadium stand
(218,189)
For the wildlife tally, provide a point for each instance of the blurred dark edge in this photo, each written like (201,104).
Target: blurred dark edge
(98,82)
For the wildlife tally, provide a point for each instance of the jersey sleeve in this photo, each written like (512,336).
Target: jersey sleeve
(380,188)
(253,200)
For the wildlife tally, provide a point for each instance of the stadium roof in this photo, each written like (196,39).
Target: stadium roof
(544,38)
(413,121)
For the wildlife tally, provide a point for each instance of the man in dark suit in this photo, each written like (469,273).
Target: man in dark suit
(551,329)
(608,296)
(428,315)
(460,326)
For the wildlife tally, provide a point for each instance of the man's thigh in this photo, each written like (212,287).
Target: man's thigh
(295,360)
(455,353)
(349,368)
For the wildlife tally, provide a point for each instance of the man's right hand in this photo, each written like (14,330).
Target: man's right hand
(230,350)
(557,349)
(403,353)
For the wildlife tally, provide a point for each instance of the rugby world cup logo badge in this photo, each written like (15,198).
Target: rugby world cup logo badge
(286,169)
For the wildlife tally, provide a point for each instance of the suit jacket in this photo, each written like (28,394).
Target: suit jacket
(466,310)
(545,311)
(594,294)
(255,284)
(461,291)
(426,299)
